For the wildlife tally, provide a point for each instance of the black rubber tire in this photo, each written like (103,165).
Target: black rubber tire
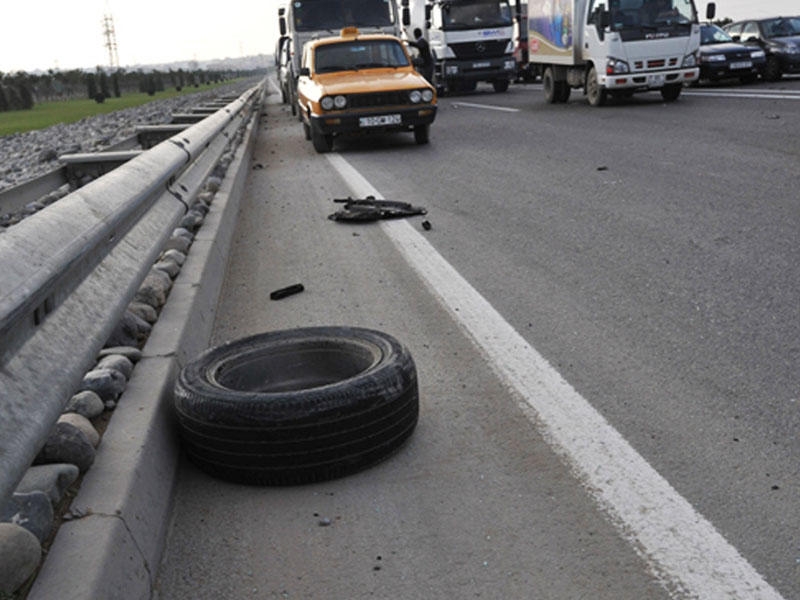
(297,406)
(500,85)
(596,93)
(322,142)
(422,134)
(670,93)
(549,85)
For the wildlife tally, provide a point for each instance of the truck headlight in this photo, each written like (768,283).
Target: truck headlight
(615,67)
(451,69)
(689,61)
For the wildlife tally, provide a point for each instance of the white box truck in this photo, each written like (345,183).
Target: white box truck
(471,40)
(614,47)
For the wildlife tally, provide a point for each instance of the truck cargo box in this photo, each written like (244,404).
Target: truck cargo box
(554,32)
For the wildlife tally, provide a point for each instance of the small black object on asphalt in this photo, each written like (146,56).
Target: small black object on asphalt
(287,291)
(369,209)
(426,225)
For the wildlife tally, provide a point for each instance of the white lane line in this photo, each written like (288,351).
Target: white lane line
(485,106)
(684,550)
(748,95)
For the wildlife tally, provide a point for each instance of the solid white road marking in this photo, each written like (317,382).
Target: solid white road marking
(765,95)
(688,555)
(485,106)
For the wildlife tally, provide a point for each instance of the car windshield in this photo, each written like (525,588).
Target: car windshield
(651,14)
(711,34)
(476,14)
(781,27)
(358,54)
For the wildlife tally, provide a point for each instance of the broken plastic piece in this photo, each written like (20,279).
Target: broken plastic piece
(370,209)
(287,291)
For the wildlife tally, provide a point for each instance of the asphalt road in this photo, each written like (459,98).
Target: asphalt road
(644,256)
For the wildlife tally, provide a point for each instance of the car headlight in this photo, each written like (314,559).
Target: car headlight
(758,54)
(792,49)
(712,58)
(615,67)
(427,95)
(690,60)
(415,96)
(326,103)
(340,102)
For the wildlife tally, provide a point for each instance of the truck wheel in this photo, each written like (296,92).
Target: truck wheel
(549,85)
(596,93)
(670,93)
(562,91)
(306,130)
(322,142)
(500,85)
(421,134)
(297,406)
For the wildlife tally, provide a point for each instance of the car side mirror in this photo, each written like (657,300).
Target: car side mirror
(711,11)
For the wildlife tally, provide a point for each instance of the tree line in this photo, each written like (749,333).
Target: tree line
(21,90)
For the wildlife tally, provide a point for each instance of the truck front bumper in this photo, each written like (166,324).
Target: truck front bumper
(388,119)
(649,80)
(488,69)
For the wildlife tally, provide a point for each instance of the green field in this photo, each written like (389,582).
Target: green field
(46,114)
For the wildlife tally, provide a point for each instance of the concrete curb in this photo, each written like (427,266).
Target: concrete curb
(113,552)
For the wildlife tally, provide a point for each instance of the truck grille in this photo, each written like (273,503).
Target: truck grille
(377,99)
(478,50)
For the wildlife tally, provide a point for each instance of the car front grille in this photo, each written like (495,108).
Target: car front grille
(377,99)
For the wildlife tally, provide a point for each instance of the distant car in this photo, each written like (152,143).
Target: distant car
(357,83)
(778,37)
(722,58)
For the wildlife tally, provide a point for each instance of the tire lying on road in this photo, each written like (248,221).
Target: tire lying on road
(297,406)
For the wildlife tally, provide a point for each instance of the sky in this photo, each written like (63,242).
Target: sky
(68,34)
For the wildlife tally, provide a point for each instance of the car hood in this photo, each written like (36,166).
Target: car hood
(725,47)
(786,39)
(369,80)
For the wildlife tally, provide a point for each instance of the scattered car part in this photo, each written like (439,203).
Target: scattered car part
(287,291)
(370,209)
(297,406)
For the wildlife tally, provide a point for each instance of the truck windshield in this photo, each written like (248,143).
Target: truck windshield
(333,15)
(358,55)
(662,16)
(476,14)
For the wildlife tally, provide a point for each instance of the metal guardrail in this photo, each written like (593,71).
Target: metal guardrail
(68,273)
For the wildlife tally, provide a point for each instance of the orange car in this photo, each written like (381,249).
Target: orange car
(361,84)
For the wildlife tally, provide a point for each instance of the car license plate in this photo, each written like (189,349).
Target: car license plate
(481,65)
(380,120)
(656,80)
(742,65)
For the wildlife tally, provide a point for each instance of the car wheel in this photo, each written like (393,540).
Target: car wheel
(322,142)
(297,406)
(422,134)
(306,130)
(670,93)
(596,93)
(773,70)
